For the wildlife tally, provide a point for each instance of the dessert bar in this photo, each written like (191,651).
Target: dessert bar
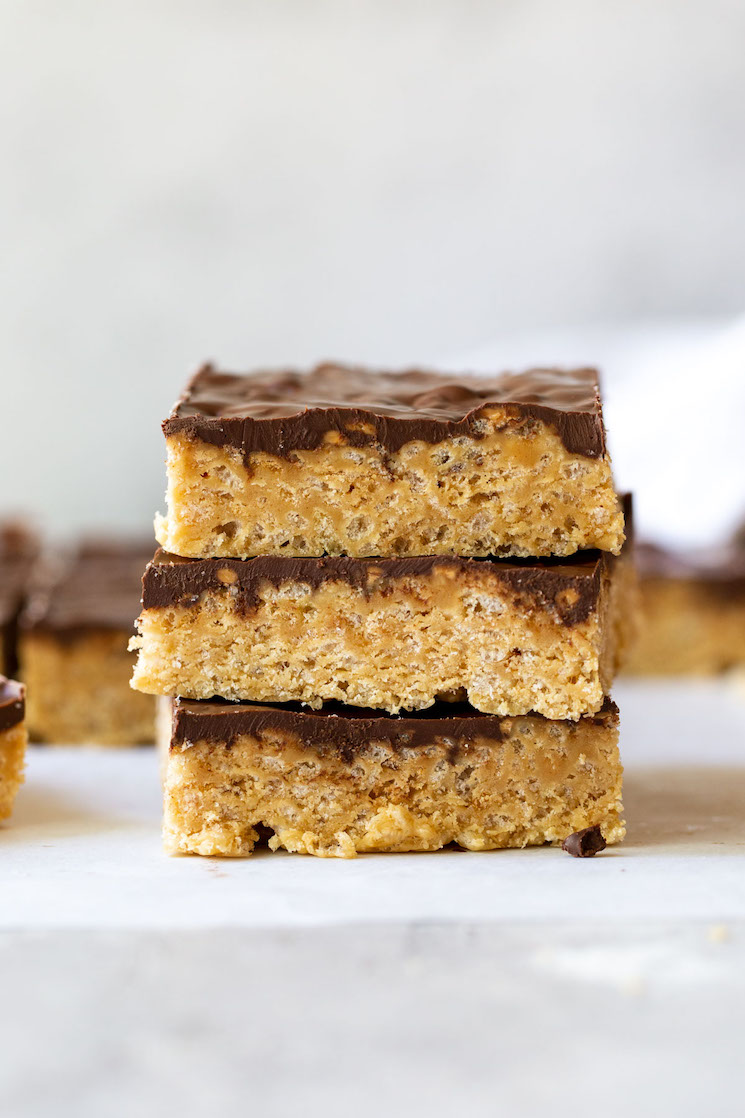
(509,637)
(341,782)
(73,641)
(12,742)
(347,461)
(692,618)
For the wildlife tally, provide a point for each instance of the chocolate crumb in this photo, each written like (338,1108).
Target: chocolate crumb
(584,844)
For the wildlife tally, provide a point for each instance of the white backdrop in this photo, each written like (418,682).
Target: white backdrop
(382,180)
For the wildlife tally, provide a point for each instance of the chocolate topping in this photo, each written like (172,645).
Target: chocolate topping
(281,412)
(722,567)
(569,587)
(19,547)
(348,730)
(585,843)
(18,540)
(14,572)
(74,594)
(12,703)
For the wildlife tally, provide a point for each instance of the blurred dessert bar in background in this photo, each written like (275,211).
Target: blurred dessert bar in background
(349,461)
(19,547)
(13,739)
(692,611)
(74,631)
(341,781)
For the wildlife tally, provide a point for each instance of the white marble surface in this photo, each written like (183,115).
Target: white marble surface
(509,982)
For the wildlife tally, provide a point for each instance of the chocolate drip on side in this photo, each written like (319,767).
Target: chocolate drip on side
(348,731)
(570,587)
(12,703)
(282,412)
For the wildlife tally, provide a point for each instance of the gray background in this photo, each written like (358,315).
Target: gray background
(384,181)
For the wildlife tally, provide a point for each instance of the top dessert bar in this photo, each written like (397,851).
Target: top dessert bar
(344,461)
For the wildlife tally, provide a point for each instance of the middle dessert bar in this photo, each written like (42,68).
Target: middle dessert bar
(511,637)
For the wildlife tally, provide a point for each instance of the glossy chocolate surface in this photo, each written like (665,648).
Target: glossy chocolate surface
(349,730)
(571,587)
(281,412)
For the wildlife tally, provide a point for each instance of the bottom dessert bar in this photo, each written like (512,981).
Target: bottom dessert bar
(342,781)
(12,742)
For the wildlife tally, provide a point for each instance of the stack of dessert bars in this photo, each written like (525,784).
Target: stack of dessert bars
(389,608)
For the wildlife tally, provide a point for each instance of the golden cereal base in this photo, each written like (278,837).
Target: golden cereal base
(78,691)
(542,782)
(516,491)
(398,643)
(12,761)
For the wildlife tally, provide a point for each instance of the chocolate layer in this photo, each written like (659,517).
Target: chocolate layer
(347,730)
(19,547)
(84,592)
(12,703)
(282,412)
(570,587)
(18,540)
(721,568)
